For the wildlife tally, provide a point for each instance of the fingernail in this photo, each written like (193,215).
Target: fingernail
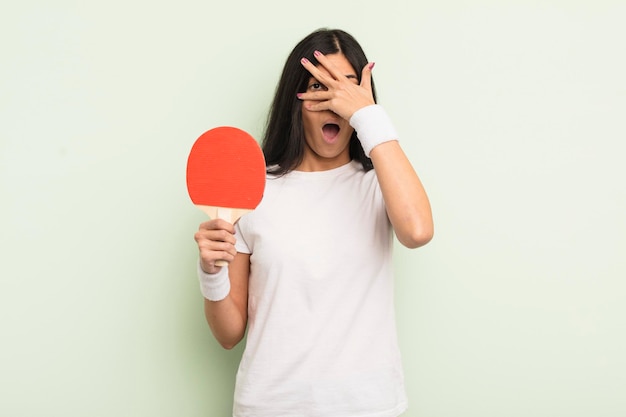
(317,53)
(299,95)
(304,61)
(372,65)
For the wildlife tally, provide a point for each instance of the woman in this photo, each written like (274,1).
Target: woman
(310,273)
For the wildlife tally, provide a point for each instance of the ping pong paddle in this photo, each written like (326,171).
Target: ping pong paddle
(226,174)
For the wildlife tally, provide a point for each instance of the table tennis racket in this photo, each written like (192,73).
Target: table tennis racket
(226,174)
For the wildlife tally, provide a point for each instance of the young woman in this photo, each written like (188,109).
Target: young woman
(310,270)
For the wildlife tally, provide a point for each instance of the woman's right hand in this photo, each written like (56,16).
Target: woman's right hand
(216,241)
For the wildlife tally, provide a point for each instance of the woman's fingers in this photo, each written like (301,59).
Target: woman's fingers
(366,76)
(333,72)
(216,241)
(342,95)
(217,224)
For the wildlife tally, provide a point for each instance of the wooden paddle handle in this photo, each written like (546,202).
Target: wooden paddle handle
(224,214)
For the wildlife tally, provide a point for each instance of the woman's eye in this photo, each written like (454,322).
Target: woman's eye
(317,87)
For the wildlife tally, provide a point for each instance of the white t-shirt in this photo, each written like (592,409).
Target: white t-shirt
(321,326)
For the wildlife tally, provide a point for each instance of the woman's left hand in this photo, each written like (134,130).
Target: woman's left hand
(343,95)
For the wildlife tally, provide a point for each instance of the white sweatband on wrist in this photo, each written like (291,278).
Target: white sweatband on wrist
(214,287)
(373,127)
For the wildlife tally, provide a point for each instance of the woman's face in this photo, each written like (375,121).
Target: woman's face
(327,135)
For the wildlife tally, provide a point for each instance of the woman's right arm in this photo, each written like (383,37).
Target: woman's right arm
(227,317)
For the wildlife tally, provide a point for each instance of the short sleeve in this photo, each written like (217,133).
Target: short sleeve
(241,244)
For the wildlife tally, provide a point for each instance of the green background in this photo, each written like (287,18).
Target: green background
(512,112)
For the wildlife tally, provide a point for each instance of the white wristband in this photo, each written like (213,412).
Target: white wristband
(373,127)
(214,287)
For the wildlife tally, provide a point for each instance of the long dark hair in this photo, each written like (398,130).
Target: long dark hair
(283,142)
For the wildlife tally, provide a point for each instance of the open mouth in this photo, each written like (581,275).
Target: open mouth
(330,131)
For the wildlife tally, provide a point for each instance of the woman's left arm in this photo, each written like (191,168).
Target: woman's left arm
(407,204)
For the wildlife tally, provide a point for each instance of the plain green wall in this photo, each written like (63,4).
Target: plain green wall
(512,112)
